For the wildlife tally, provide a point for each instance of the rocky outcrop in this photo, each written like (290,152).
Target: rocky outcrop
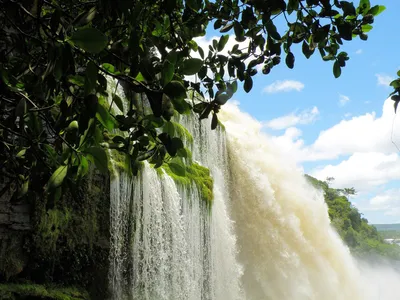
(63,241)
(15,224)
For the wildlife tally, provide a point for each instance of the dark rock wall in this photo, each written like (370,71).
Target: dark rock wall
(62,240)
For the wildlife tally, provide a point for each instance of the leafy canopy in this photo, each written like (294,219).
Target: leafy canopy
(63,63)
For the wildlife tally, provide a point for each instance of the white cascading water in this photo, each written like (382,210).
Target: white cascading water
(287,246)
(267,236)
(165,242)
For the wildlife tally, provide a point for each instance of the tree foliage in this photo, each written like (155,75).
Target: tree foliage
(362,238)
(62,63)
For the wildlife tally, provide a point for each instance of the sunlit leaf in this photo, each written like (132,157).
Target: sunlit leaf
(57,178)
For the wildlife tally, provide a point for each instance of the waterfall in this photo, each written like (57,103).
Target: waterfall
(165,241)
(266,236)
(287,246)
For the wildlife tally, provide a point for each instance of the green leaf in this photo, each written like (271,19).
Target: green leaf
(21,153)
(272,31)
(77,80)
(85,17)
(118,102)
(396,104)
(201,52)
(398,73)
(336,69)
(90,40)
(109,68)
(222,98)
(226,28)
(395,83)
(366,28)
(83,167)
(182,153)
(23,189)
(21,108)
(73,126)
(57,178)
(306,50)
(104,117)
(175,90)
(214,121)
(191,66)
(248,84)
(348,8)
(222,42)
(234,86)
(292,5)
(172,57)
(176,165)
(194,4)
(174,145)
(376,10)
(239,32)
(290,60)
(99,157)
(167,72)
(345,31)
(182,107)
(90,77)
(364,7)
(206,111)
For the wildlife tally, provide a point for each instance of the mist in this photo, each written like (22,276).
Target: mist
(380,279)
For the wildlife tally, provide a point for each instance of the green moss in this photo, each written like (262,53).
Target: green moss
(117,162)
(35,291)
(13,260)
(182,133)
(174,129)
(52,225)
(195,174)
(120,162)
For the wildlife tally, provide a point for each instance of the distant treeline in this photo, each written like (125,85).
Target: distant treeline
(362,238)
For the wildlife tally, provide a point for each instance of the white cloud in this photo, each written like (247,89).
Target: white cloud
(384,79)
(363,171)
(364,133)
(387,201)
(359,51)
(343,100)
(284,86)
(348,115)
(361,134)
(364,143)
(306,116)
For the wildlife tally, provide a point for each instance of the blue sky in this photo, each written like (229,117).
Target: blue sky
(336,127)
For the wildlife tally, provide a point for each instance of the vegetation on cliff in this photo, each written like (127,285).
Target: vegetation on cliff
(362,238)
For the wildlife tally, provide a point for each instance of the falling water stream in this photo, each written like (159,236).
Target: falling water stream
(267,235)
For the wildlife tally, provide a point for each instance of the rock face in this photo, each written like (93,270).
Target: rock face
(14,216)
(63,241)
(15,224)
